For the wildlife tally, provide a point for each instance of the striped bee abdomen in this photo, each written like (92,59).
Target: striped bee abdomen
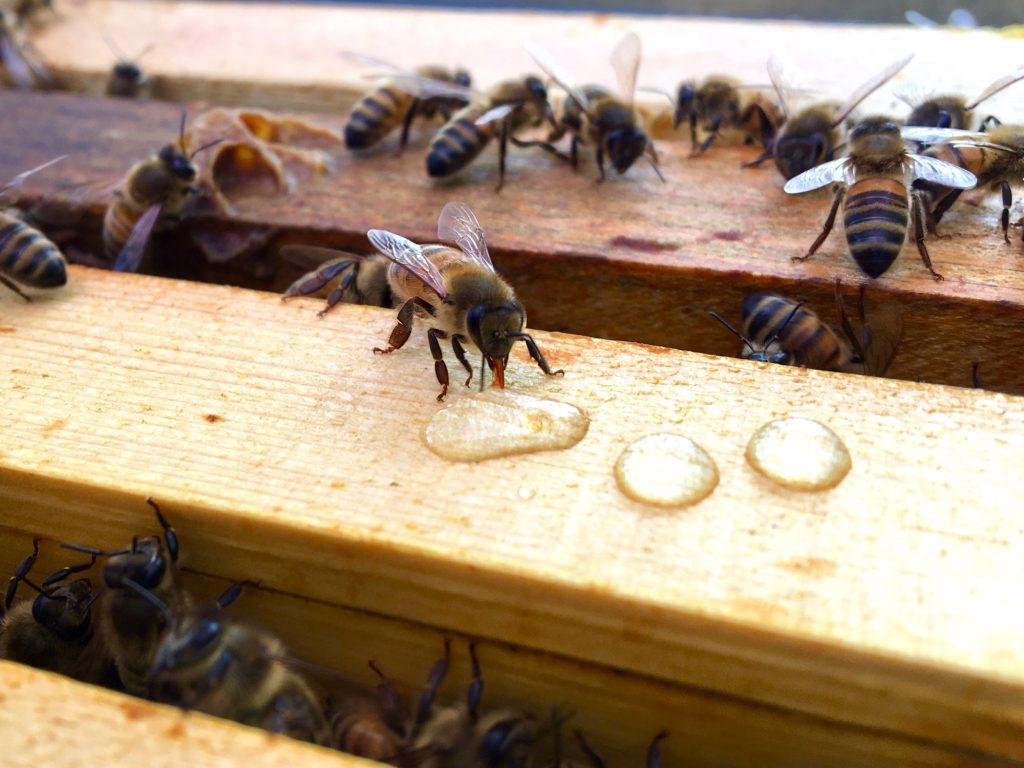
(118,223)
(457,143)
(28,257)
(375,116)
(876,217)
(799,332)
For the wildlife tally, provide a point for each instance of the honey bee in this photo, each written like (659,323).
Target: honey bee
(130,626)
(395,102)
(721,104)
(777,329)
(995,157)
(953,110)
(21,66)
(127,80)
(370,727)
(810,136)
(354,279)
(592,115)
(873,185)
(457,292)
(27,256)
(54,631)
(154,193)
(502,112)
(24,10)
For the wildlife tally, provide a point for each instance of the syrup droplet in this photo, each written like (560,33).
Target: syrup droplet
(526,492)
(499,422)
(666,470)
(799,453)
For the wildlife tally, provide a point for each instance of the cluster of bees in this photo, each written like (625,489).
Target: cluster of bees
(143,633)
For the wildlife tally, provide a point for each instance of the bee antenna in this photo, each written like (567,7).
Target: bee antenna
(114,48)
(206,146)
(143,52)
(160,605)
(483,359)
(732,330)
(775,336)
(181,129)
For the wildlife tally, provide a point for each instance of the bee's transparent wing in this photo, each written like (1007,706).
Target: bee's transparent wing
(870,86)
(882,333)
(428,87)
(371,62)
(553,70)
(17,180)
(928,135)
(626,63)
(408,254)
(777,75)
(495,113)
(996,87)
(131,254)
(940,172)
(458,224)
(15,63)
(819,176)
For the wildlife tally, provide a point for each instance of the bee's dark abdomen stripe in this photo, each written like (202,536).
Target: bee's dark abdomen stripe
(117,228)
(455,146)
(29,257)
(876,224)
(11,244)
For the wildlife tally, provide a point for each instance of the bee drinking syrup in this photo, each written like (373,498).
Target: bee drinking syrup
(458,293)
(720,104)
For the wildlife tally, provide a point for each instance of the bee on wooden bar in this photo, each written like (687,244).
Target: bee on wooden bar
(395,102)
(502,112)
(212,663)
(722,104)
(593,115)
(811,136)
(777,329)
(457,292)
(127,80)
(995,157)
(370,727)
(953,110)
(55,631)
(353,279)
(27,256)
(20,65)
(872,184)
(152,195)
(130,626)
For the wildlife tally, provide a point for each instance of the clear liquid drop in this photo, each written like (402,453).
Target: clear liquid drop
(666,470)
(498,422)
(799,453)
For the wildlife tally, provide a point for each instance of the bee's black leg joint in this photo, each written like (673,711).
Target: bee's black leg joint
(829,223)
(600,163)
(502,152)
(440,369)
(460,354)
(1004,219)
(538,356)
(920,217)
(400,333)
(14,288)
(407,124)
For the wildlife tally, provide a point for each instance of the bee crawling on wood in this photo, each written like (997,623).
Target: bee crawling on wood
(720,105)
(592,115)
(345,276)
(56,630)
(397,101)
(953,110)
(153,196)
(127,80)
(457,292)
(872,183)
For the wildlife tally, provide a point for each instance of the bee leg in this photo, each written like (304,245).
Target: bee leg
(410,115)
(600,163)
(715,127)
(537,355)
(693,132)
(14,288)
(975,378)
(990,122)
(1004,219)
(829,223)
(654,751)
(502,151)
(920,217)
(170,535)
(574,152)
(437,675)
(460,353)
(545,145)
(21,573)
(768,154)
(68,570)
(940,208)
(652,155)
(400,333)
(440,369)
(338,293)
(476,685)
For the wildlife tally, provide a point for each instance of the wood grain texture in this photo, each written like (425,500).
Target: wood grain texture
(881,605)
(631,259)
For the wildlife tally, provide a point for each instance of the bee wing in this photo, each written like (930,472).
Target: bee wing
(369,61)
(941,172)
(996,87)
(329,264)
(408,254)
(626,63)
(777,76)
(553,70)
(17,66)
(17,180)
(131,254)
(428,87)
(871,85)
(495,113)
(819,176)
(459,224)
(928,135)
(882,333)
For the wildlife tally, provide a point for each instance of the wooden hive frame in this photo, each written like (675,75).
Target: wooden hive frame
(864,625)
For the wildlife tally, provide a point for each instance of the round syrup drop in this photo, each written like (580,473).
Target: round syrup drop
(799,453)
(666,470)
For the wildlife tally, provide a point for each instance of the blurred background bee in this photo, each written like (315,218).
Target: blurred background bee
(27,256)
(130,625)
(995,157)
(592,115)
(458,294)
(953,110)
(54,631)
(152,196)
(20,64)
(127,80)
(395,102)
(777,329)
(872,186)
(340,276)
(502,112)
(721,105)
(26,11)
(811,136)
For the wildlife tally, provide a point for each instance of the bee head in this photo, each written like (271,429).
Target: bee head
(129,71)
(462,78)
(65,611)
(494,329)
(796,154)
(538,95)
(508,742)
(625,146)
(685,98)
(192,638)
(145,564)
(770,354)
(177,162)
(876,136)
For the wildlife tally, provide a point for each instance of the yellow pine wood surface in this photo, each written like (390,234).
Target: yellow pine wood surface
(286,450)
